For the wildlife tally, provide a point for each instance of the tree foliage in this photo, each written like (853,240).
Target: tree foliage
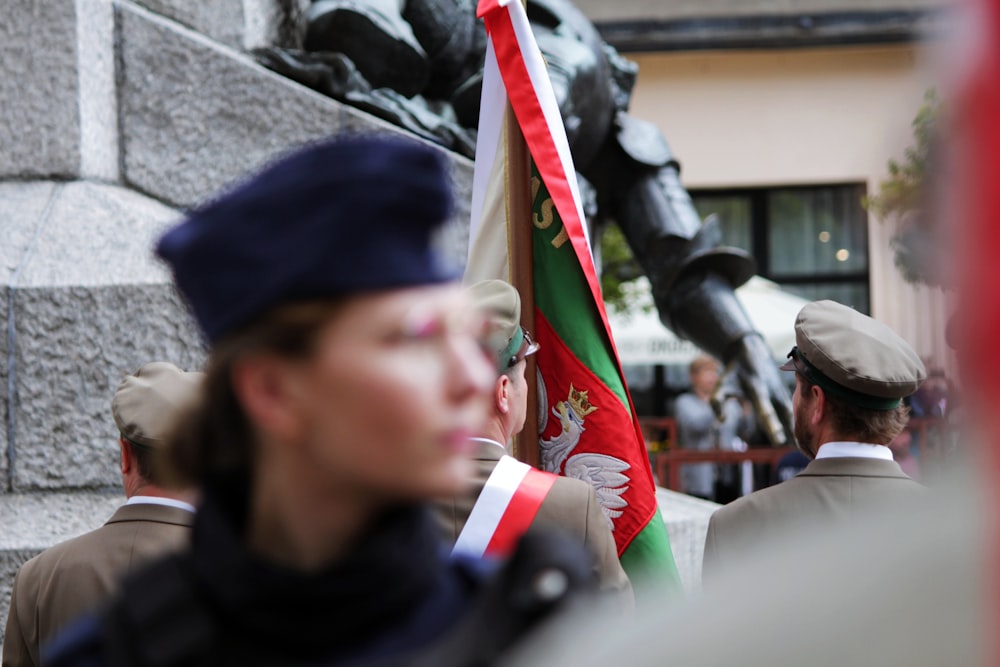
(618,269)
(905,196)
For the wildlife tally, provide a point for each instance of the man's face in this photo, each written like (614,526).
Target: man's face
(804,434)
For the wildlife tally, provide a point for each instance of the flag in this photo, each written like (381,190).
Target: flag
(587,425)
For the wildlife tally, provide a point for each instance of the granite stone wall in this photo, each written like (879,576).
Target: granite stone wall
(85,301)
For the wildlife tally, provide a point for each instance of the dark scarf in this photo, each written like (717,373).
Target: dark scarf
(385,580)
(394,601)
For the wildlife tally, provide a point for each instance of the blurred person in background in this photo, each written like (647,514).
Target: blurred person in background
(931,400)
(700,428)
(902,453)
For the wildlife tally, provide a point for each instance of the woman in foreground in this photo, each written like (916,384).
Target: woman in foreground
(345,378)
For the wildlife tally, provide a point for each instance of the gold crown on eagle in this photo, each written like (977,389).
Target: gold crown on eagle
(578,402)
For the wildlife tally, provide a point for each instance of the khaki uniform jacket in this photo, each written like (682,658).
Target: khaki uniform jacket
(71,578)
(827,491)
(571,506)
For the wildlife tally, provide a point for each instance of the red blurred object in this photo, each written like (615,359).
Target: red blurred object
(975,130)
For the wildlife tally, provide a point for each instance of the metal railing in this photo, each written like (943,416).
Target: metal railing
(935,439)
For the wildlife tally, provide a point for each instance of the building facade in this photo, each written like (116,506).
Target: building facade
(784,115)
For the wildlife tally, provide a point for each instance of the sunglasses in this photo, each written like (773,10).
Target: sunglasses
(528,348)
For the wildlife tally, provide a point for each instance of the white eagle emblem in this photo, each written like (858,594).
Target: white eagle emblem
(605,473)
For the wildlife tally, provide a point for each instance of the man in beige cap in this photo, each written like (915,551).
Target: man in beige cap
(569,505)
(62,582)
(851,374)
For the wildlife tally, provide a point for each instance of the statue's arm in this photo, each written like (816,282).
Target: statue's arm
(692,275)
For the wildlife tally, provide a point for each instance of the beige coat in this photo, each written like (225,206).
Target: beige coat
(828,491)
(69,579)
(571,506)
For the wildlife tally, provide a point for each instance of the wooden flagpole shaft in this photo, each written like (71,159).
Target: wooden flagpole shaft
(522,274)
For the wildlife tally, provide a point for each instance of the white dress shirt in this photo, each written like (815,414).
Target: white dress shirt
(860,450)
(156,500)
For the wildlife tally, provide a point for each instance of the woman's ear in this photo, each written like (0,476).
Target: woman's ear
(267,388)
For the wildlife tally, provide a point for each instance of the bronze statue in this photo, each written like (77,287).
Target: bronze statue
(418,63)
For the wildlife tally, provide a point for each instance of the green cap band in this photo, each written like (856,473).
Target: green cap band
(509,352)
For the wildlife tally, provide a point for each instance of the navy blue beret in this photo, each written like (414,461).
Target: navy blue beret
(345,216)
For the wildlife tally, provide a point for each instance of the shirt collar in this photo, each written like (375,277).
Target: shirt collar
(155,500)
(489,442)
(859,450)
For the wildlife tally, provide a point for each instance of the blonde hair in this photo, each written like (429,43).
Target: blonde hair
(703,362)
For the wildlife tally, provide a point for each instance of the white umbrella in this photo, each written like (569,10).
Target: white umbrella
(642,339)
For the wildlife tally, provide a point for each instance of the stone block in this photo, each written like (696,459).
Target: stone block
(39,89)
(197,116)
(239,24)
(90,304)
(74,346)
(220,20)
(92,234)
(35,521)
(22,207)
(686,518)
(455,237)
(4,415)
(98,95)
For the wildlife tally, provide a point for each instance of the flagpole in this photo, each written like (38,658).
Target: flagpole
(517,170)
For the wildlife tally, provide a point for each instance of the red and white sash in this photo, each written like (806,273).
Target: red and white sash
(505,508)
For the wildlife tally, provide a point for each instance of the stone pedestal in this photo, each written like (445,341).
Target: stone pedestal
(687,524)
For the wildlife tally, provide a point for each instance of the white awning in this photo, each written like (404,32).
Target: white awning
(642,339)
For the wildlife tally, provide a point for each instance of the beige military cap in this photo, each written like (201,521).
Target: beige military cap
(508,340)
(854,357)
(148,401)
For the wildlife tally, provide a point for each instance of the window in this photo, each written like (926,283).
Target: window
(813,241)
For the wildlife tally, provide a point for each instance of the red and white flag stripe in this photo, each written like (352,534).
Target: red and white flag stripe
(505,508)
(515,69)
